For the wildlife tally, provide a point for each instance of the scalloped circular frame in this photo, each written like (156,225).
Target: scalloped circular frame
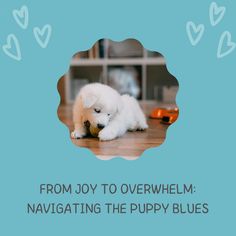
(65,116)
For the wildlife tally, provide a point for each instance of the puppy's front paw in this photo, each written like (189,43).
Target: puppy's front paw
(142,126)
(77,135)
(106,134)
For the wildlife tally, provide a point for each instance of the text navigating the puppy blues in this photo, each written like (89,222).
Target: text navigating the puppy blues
(88,198)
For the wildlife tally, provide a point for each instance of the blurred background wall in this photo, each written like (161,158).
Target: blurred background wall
(126,66)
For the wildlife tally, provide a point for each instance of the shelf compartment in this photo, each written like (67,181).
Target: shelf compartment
(80,76)
(158,79)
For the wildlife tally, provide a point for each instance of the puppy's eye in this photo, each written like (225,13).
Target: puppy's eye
(97,110)
(108,114)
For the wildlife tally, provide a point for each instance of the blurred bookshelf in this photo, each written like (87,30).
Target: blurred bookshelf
(95,64)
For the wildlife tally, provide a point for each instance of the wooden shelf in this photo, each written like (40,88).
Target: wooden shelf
(98,68)
(118,61)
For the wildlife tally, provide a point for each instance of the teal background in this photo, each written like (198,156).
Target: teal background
(35,145)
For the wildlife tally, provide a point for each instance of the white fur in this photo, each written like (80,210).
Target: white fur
(125,112)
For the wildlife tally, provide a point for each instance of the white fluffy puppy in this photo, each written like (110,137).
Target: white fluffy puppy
(103,107)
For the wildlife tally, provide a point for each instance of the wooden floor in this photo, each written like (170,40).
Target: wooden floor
(129,146)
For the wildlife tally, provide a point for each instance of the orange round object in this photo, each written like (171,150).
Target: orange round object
(168,116)
(158,113)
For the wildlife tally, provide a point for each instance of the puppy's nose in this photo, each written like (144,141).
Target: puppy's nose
(100,126)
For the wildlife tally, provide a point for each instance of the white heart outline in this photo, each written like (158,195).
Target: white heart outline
(9,45)
(22,13)
(230,43)
(215,10)
(197,30)
(39,33)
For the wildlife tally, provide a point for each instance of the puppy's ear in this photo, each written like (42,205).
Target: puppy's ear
(88,100)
